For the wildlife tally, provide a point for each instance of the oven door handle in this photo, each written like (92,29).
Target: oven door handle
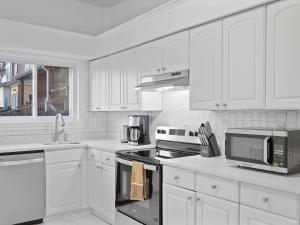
(129,163)
(266,150)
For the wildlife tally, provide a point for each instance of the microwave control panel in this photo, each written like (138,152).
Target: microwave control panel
(279,150)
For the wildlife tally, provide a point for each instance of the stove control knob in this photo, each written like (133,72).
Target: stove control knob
(158,131)
(196,134)
(163,131)
(191,133)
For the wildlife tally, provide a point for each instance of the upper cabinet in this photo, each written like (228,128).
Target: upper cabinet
(165,55)
(175,52)
(206,67)
(283,54)
(244,60)
(151,58)
(99,80)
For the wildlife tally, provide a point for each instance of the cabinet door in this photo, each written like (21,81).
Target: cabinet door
(63,187)
(151,58)
(94,185)
(206,67)
(108,193)
(116,82)
(251,216)
(178,206)
(99,85)
(212,211)
(283,54)
(131,80)
(175,52)
(244,60)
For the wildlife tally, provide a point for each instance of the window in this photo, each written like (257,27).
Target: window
(15,89)
(34,90)
(52,90)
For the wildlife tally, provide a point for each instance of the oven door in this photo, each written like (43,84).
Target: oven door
(146,212)
(250,148)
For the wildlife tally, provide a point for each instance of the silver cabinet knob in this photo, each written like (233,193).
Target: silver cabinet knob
(213,186)
(189,198)
(107,159)
(265,199)
(98,167)
(163,69)
(224,105)
(217,104)
(158,70)
(79,165)
(198,199)
(176,178)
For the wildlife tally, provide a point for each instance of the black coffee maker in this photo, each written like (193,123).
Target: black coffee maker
(138,126)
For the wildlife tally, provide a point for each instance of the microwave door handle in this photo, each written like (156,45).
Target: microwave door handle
(266,150)
(129,163)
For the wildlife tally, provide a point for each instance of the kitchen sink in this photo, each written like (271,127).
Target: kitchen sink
(62,143)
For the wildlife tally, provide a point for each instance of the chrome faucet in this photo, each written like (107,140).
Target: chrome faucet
(58,132)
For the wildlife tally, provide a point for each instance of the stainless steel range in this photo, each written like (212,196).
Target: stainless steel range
(171,142)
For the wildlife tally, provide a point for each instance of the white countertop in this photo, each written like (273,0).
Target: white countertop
(217,166)
(109,145)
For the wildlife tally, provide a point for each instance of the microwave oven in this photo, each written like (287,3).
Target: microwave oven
(262,148)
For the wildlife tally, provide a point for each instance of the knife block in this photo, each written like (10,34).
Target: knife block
(212,149)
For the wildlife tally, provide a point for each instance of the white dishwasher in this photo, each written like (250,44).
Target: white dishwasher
(22,187)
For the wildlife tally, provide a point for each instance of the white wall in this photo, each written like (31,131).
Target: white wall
(176,113)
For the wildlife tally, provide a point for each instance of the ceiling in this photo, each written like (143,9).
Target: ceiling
(90,17)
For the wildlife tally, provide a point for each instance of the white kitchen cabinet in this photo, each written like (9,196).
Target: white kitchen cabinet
(175,52)
(178,206)
(244,60)
(169,54)
(63,187)
(94,185)
(206,67)
(116,87)
(213,211)
(151,58)
(99,92)
(131,78)
(251,216)
(283,53)
(108,193)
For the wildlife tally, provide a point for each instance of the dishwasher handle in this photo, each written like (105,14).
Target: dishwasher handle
(21,162)
(129,163)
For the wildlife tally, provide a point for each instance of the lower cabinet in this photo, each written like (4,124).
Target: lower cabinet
(108,193)
(101,190)
(251,216)
(215,211)
(94,185)
(178,206)
(63,187)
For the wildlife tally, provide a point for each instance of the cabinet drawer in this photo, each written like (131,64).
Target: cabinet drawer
(94,155)
(70,155)
(179,177)
(279,202)
(253,216)
(218,187)
(108,159)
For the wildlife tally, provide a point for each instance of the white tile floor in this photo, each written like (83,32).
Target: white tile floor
(80,219)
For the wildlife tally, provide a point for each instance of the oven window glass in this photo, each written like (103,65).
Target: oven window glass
(147,211)
(249,148)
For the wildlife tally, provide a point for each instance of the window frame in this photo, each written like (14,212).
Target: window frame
(73,73)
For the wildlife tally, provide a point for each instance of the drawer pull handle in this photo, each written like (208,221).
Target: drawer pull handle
(213,187)
(107,159)
(198,199)
(176,178)
(79,165)
(189,198)
(265,200)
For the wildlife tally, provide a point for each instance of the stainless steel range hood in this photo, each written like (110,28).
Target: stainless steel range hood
(164,82)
